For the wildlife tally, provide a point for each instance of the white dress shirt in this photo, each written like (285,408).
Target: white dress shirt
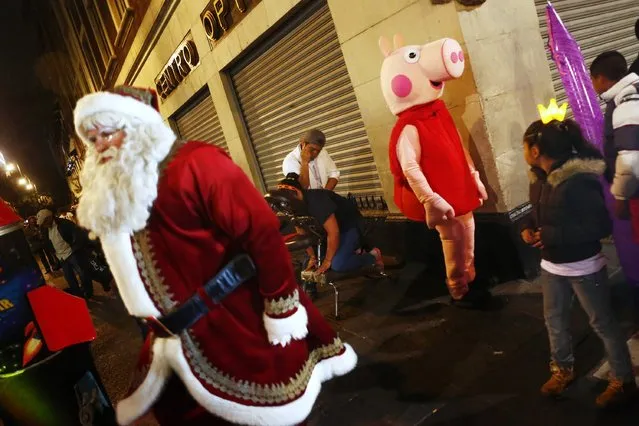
(320,170)
(62,248)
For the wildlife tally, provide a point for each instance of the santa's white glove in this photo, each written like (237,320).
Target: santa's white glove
(483,195)
(438,211)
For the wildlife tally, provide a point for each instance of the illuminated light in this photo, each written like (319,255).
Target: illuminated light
(10,167)
(22,181)
(553,112)
(29,187)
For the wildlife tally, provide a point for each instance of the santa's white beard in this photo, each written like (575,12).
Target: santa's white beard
(117,196)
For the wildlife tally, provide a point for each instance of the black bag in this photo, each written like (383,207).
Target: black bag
(99,269)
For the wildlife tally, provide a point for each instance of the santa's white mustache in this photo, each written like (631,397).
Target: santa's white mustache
(111,152)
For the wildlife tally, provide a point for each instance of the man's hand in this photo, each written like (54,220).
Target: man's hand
(438,211)
(312,264)
(325,266)
(622,209)
(306,154)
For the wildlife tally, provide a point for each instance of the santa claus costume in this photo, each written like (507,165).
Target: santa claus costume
(170,214)
(435,178)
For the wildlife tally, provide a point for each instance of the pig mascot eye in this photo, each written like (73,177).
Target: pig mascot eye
(411,56)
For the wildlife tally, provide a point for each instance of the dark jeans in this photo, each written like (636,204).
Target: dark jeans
(49,261)
(77,264)
(346,260)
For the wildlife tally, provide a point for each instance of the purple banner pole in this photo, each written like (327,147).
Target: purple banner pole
(585,108)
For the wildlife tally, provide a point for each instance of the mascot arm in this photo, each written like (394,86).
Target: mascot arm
(483,195)
(437,209)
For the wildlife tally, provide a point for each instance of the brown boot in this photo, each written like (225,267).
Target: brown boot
(617,393)
(561,378)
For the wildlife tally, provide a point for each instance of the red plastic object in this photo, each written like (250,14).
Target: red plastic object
(7,215)
(63,319)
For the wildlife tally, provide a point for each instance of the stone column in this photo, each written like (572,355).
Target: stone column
(512,76)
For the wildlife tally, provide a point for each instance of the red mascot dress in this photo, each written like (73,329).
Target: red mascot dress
(435,179)
(170,215)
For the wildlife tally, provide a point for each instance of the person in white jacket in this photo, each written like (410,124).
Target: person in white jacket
(312,163)
(620,91)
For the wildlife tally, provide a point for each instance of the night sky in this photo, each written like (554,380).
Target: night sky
(26,108)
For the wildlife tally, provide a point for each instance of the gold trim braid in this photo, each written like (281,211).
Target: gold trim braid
(282,306)
(264,394)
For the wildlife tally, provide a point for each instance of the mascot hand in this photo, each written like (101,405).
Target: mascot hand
(438,211)
(483,195)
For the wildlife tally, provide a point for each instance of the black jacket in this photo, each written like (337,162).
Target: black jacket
(569,207)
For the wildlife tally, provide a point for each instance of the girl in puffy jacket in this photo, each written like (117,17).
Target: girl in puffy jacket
(568,220)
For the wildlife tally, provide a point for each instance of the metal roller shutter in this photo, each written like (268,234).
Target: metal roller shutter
(597,26)
(301,82)
(198,121)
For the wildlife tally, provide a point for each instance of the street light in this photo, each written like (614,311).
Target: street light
(29,187)
(22,181)
(10,167)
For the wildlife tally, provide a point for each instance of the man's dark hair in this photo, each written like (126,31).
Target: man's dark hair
(315,137)
(611,65)
(637,28)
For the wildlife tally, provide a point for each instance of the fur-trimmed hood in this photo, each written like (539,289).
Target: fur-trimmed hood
(569,169)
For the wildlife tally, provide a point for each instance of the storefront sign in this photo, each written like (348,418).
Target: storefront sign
(179,66)
(221,15)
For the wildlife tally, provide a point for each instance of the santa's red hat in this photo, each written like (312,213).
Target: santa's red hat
(131,101)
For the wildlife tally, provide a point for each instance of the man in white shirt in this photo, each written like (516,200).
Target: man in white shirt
(69,244)
(312,163)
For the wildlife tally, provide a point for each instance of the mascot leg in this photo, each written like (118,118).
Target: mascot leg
(458,243)
(468,226)
(454,246)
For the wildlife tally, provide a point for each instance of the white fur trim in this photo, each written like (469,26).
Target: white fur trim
(119,254)
(289,414)
(107,101)
(281,331)
(140,401)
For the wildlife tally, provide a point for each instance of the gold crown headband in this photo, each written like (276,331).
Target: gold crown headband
(553,112)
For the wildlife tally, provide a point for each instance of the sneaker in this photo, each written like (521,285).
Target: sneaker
(617,393)
(561,378)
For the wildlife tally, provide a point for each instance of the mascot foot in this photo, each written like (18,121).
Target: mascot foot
(476,298)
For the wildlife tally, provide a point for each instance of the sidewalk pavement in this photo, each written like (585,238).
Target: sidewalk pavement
(422,361)
(433,364)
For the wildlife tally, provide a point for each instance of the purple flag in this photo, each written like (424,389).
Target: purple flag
(585,107)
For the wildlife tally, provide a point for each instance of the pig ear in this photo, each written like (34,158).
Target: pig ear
(385,46)
(398,41)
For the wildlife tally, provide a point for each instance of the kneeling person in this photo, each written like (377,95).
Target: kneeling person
(341,221)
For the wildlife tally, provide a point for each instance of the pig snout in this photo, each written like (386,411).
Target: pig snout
(443,60)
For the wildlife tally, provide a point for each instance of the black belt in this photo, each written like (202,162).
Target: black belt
(236,272)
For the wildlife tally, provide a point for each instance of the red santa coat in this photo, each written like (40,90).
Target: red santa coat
(442,161)
(207,211)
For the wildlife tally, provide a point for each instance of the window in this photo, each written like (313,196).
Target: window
(118,10)
(108,20)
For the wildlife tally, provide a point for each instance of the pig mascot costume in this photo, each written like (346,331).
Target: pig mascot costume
(435,179)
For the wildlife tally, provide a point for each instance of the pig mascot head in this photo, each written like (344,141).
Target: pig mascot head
(416,74)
